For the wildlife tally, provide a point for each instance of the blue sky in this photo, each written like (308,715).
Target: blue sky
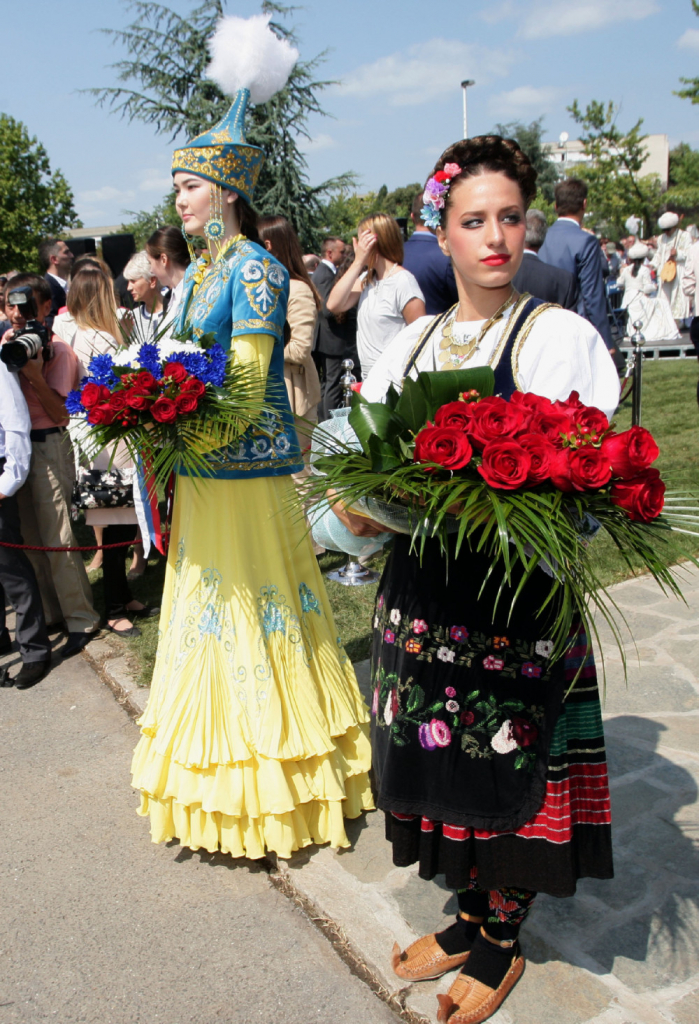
(399,101)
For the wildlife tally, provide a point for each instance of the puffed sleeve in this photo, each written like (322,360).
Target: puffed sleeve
(565,353)
(260,296)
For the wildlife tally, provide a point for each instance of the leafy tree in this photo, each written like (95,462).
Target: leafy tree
(692,91)
(168,56)
(529,136)
(683,178)
(34,200)
(616,188)
(344,210)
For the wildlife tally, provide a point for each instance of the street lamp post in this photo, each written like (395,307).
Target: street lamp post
(464,85)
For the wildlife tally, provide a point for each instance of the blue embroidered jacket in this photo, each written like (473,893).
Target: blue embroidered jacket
(246,292)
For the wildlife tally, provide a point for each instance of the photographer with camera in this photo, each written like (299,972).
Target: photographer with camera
(47,371)
(17,579)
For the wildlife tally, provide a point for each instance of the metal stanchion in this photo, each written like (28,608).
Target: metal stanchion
(353,574)
(638,341)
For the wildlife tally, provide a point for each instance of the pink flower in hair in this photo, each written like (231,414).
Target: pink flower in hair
(451,170)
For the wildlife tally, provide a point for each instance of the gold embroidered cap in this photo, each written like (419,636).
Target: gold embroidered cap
(250,63)
(222,154)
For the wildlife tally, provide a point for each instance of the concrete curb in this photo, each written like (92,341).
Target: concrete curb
(114,669)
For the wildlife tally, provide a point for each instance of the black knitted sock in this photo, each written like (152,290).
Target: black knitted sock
(458,937)
(489,963)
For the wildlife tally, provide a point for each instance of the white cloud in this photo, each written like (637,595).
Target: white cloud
(316,144)
(690,39)
(494,12)
(105,194)
(425,71)
(548,18)
(525,99)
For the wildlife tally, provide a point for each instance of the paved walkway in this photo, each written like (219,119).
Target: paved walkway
(620,952)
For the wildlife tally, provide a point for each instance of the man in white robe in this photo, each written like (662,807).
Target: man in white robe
(673,247)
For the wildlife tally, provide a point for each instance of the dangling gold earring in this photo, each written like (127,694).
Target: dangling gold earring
(190,247)
(214,229)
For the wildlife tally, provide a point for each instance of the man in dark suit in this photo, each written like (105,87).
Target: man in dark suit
(336,336)
(542,280)
(426,261)
(578,252)
(56,261)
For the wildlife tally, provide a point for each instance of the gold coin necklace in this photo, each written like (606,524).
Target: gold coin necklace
(454,353)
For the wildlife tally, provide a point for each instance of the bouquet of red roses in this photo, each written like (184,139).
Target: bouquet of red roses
(171,411)
(527,480)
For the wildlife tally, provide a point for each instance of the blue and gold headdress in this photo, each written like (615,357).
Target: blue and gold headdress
(251,64)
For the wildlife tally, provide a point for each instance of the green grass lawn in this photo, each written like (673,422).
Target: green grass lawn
(669,412)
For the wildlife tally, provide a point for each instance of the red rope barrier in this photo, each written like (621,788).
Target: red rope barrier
(89,547)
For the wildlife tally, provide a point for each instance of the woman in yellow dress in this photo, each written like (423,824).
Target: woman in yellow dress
(255,736)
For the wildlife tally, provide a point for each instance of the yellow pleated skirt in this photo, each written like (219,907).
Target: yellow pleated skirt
(255,737)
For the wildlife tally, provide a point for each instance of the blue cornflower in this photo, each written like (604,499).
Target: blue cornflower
(100,369)
(193,362)
(149,359)
(218,358)
(73,404)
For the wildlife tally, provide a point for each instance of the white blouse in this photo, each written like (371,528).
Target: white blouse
(562,353)
(380,314)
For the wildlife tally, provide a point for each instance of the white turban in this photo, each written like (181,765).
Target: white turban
(668,220)
(638,251)
(632,225)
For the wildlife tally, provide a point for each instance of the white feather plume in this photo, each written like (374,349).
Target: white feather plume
(246,54)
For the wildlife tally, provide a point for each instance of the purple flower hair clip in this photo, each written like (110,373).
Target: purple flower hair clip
(434,196)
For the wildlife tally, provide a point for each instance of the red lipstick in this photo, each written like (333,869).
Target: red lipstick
(497,260)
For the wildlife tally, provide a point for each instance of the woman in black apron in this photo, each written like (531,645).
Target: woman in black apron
(488,768)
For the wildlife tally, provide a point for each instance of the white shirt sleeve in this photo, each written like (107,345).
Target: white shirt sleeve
(565,353)
(15,445)
(407,288)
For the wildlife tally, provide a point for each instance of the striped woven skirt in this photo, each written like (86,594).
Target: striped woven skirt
(484,756)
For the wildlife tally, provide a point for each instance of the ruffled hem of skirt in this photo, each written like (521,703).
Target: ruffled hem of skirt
(248,808)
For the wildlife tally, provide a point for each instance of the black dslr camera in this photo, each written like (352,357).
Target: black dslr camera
(31,339)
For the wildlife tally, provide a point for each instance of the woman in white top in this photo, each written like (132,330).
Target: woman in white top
(146,290)
(641,301)
(452,677)
(169,257)
(389,297)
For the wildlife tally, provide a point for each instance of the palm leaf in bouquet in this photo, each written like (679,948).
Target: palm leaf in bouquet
(527,482)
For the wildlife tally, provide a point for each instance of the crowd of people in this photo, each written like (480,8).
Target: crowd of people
(256,737)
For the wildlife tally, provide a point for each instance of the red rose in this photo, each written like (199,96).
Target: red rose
(90,395)
(631,452)
(493,419)
(524,733)
(117,400)
(560,469)
(164,410)
(444,445)
(571,406)
(101,414)
(136,400)
(104,392)
(441,176)
(506,465)
(542,452)
(193,386)
(146,381)
(454,414)
(533,403)
(552,425)
(589,468)
(175,371)
(590,420)
(186,403)
(642,496)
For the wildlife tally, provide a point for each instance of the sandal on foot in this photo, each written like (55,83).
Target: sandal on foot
(424,960)
(471,1002)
